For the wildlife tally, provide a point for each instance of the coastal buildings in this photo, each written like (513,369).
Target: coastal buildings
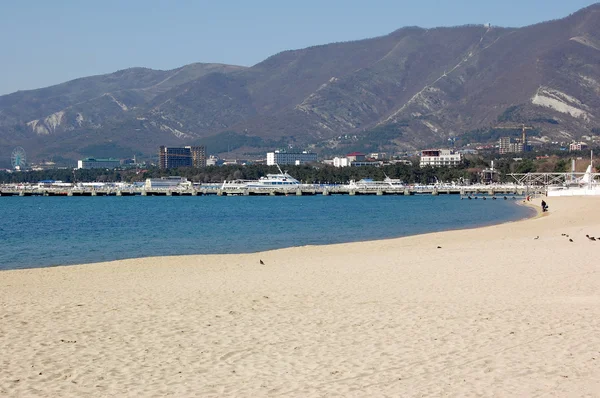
(341,162)
(355,159)
(92,163)
(187,156)
(295,158)
(440,157)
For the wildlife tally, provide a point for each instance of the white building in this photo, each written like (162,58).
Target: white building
(577,146)
(440,158)
(350,161)
(295,158)
(378,155)
(212,160)
(341,162)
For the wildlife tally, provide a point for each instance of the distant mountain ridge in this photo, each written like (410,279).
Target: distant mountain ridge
(412,88)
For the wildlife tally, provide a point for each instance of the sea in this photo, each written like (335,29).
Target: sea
(50,231)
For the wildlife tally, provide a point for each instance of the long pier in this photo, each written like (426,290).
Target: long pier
(468,190)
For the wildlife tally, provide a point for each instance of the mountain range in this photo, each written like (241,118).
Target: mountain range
(410,89)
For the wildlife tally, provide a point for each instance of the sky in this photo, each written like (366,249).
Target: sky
(46,42)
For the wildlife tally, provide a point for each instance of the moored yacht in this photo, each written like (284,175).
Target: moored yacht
(282,180)
(367,183)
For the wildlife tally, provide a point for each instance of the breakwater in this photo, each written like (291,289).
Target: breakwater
(305,190)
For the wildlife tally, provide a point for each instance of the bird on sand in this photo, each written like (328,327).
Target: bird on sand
(570,240)
(261,261)
(537,237)
(439,247)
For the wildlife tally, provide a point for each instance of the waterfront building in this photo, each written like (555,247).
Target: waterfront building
(349,162)
(295,158)
(376,163)
(341,162)
(440,157)
(356,157)
(92,163)
(187,156)
(351,159)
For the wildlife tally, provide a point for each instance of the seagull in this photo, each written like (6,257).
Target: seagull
(261,261)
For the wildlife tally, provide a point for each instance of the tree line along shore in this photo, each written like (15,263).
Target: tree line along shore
(468,172)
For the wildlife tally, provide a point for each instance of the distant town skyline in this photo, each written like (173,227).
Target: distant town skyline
(46,43)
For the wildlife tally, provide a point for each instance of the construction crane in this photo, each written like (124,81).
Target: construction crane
(523,128)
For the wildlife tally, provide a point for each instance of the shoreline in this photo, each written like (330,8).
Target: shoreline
(510,309)
(471,227)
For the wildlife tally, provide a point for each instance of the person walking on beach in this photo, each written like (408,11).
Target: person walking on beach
(544,206)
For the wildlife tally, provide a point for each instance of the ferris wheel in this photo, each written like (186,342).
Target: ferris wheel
(18,158)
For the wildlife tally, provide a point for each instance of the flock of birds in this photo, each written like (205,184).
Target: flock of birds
(571,240)
(537,237)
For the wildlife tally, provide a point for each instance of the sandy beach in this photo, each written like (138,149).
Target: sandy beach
(504,311)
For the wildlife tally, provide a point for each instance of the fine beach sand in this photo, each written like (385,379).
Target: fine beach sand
(493,312)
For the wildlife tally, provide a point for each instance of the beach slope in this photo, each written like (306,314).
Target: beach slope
(506,310)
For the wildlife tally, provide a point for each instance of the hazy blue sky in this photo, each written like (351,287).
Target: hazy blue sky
(45,42)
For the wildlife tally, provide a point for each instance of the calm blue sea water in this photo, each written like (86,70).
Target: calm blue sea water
(46,231)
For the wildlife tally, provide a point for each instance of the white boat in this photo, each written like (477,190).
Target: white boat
(282,180)
(367,183)
(584,186)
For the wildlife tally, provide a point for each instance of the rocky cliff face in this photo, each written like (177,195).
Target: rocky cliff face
(411,88)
